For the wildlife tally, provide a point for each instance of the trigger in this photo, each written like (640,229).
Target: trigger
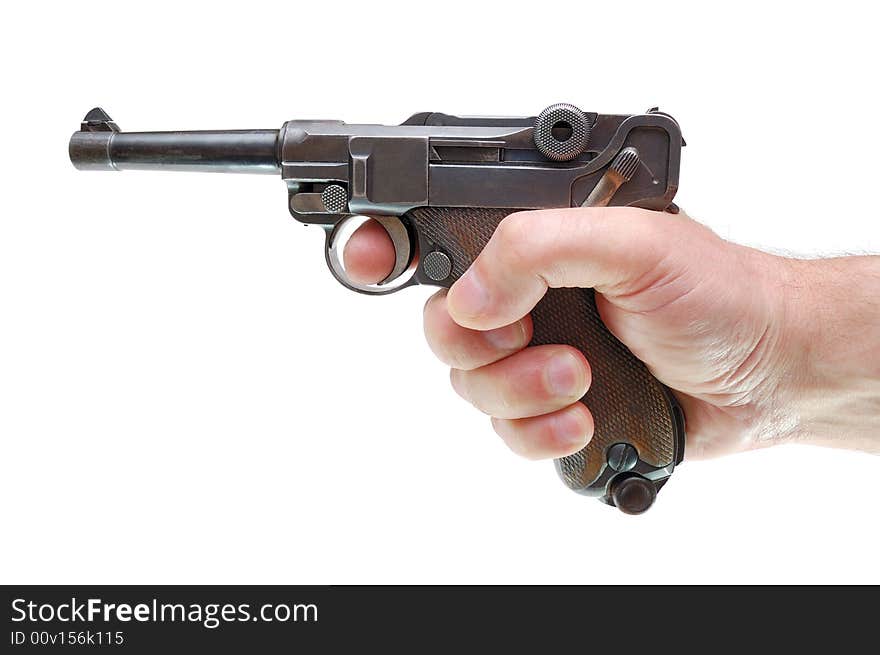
(337,236)
(399,236)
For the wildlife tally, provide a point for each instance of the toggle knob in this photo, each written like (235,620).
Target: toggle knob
(633,494)
(334,198)
(562,132)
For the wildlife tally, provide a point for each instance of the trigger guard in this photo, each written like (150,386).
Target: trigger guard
(403,251)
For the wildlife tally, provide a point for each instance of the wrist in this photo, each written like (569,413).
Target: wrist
(832,328)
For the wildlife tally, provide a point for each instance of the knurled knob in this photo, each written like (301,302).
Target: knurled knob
(335,199)
(562,132)
(633,494)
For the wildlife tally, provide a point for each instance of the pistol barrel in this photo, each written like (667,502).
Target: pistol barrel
(100,146)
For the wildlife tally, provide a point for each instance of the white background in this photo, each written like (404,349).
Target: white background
(186,394)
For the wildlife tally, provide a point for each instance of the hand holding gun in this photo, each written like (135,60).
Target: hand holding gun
(589,329)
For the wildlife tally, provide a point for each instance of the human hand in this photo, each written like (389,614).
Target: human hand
(731,330)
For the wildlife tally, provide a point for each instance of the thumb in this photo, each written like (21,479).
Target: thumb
(619,251)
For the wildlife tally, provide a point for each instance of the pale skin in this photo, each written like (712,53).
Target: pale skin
(759,349)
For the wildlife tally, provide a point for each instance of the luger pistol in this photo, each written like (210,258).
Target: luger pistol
(440,185)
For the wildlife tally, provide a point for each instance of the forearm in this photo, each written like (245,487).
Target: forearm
(833,314)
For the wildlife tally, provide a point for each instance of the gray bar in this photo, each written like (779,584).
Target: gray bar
(232,151)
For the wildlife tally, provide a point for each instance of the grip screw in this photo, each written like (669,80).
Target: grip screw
(437,265)
(622,457)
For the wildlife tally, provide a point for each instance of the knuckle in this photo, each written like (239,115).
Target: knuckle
(457,379)
(514,236)
(449,348)
(432,301)
(458,356)
(447,356)
(654,227)
(638,214)
(529,445)
(528,450)
(601,214)
(471,388)
(511,434)
(438,333)
(505,398)
(524,450)
(585,371)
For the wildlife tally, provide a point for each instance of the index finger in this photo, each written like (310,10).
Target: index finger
(368,256)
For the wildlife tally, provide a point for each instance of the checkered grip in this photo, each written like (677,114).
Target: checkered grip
(628,404)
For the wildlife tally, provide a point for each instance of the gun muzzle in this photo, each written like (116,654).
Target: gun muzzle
(100,146)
